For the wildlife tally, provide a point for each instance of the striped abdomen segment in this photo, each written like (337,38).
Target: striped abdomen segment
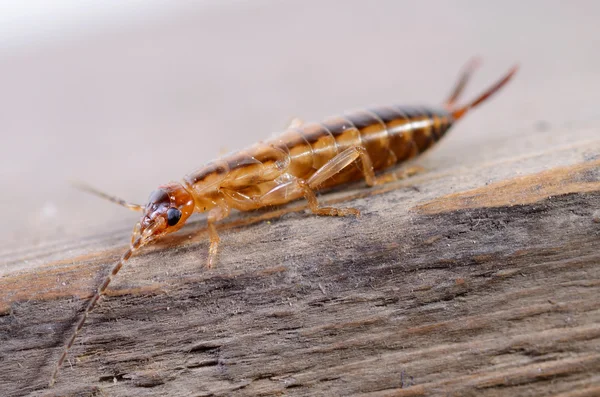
(412,130)
(390,134)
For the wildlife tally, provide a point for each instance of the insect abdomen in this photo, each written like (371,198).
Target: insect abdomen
(390,135)
(395,134)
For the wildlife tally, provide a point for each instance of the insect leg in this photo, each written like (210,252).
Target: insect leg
(215,215)
(136,232)
(341,161)
(290,188)
(313,203)
(347,157)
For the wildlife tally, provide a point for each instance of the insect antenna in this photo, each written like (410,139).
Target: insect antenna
(93,301)
(464,78)
(87,188)
(458,113)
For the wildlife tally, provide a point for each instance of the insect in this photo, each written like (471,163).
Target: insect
(306,158)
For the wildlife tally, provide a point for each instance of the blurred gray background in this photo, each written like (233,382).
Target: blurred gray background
(129,97)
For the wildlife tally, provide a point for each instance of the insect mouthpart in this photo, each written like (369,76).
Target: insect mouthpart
(153,225)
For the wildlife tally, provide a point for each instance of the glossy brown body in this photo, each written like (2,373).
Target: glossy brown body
(261,175)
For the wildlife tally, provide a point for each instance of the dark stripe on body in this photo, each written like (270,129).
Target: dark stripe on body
(363,119)
(337,126)
(215,167)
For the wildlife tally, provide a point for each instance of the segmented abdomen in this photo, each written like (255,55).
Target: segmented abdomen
(389,134)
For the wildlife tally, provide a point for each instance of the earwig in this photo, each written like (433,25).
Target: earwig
(306,158)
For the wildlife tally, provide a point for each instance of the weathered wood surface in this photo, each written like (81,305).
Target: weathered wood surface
(479,279)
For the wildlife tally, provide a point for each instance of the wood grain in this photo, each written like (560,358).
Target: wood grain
(464,281)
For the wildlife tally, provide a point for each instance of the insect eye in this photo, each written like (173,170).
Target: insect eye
(173,216)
